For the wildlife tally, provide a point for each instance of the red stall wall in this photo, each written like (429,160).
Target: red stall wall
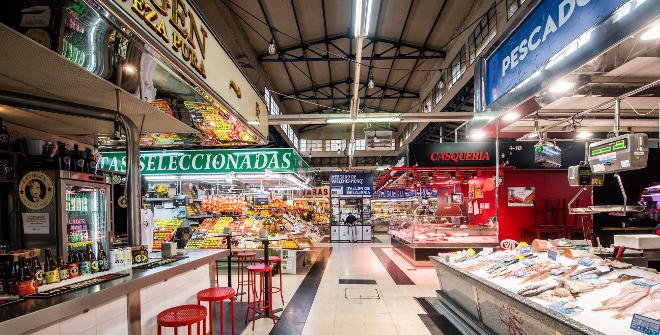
(549,184)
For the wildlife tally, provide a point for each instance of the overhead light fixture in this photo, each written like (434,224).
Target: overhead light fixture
(511,116)
(583,135)
(652,33)
(477,135)
(254,123)
(562,87)
(364,120)
(383,168)
(533,135)
(371,81)
(130,69)
(358,17)
(368,19)
(272,48)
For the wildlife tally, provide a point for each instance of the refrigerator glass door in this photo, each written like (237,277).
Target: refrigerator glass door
(86,217)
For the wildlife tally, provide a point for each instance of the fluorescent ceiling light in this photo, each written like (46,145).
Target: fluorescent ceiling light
(368,19)
(652,33)
(383,168)
(254,123)
(583,135)
(357,18)
(364,120)
(562,87)
(511,116)
(477,135)
(161,178)
(533,135)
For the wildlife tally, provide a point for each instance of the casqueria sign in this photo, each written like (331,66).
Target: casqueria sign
(209,161)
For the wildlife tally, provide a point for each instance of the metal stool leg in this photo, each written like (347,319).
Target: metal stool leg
(281,287)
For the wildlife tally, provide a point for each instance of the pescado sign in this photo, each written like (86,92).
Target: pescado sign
(550,27)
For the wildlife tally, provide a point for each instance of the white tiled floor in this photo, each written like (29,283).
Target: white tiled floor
(396,312)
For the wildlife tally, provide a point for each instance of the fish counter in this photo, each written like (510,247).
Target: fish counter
(565,291)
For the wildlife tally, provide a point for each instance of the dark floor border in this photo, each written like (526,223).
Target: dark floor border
(399,277)
(293,317)
(435,322)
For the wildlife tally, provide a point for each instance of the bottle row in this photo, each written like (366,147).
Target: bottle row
(23,277)
(78,202)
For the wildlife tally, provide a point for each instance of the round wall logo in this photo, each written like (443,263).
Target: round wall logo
(36,190)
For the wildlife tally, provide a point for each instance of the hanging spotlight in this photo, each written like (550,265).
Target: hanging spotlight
(371,81)
(272,48)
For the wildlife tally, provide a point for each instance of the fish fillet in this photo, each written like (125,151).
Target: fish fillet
(644,306)
(626,298)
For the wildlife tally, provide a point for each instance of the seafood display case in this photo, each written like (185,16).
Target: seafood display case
(563,291)
(418,236)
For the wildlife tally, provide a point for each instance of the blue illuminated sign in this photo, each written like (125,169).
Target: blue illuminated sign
(352,183)
(548,29)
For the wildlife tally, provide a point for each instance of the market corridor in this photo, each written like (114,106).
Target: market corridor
(349,290)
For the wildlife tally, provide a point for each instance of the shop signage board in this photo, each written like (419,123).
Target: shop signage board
(452,154)
(178,32)
(316,192)
(461,155)
(396,193)
(548,29)
(357,184)
(209,161)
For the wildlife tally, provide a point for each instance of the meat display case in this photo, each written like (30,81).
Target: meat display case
(418,236)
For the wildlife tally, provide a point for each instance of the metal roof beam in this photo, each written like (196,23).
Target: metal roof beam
(334,85)
(343,59)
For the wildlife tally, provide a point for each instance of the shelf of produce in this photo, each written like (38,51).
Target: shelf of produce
(199,216)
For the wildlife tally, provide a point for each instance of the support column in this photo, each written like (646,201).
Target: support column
(133,189)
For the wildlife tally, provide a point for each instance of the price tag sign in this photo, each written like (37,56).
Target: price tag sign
(645,325)
(586,261)
(552,255)
(525,249)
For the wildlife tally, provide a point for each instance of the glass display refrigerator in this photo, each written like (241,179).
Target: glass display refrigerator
(341,208)
(74,212)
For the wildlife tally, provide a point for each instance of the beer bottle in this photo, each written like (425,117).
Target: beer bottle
(12,287)
(63,158)
(93,263)
(104,262)
(25,281)
(78,161)
(52,272)
(3,278)
(37,270)
(73,265)
(64,271)
(84,265)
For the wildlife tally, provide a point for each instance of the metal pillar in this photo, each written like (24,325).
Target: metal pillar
(497,170)
(133,187)
(617,111)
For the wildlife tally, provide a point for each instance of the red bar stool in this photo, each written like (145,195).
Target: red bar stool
(244,259)
(258,302)
(181,316)
(218,294)
(271,260)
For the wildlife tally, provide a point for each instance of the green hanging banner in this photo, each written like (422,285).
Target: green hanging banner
(210,161)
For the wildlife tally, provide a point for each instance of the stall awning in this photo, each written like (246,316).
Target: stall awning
(29,69)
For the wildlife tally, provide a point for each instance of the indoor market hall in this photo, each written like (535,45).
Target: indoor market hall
(345,167)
